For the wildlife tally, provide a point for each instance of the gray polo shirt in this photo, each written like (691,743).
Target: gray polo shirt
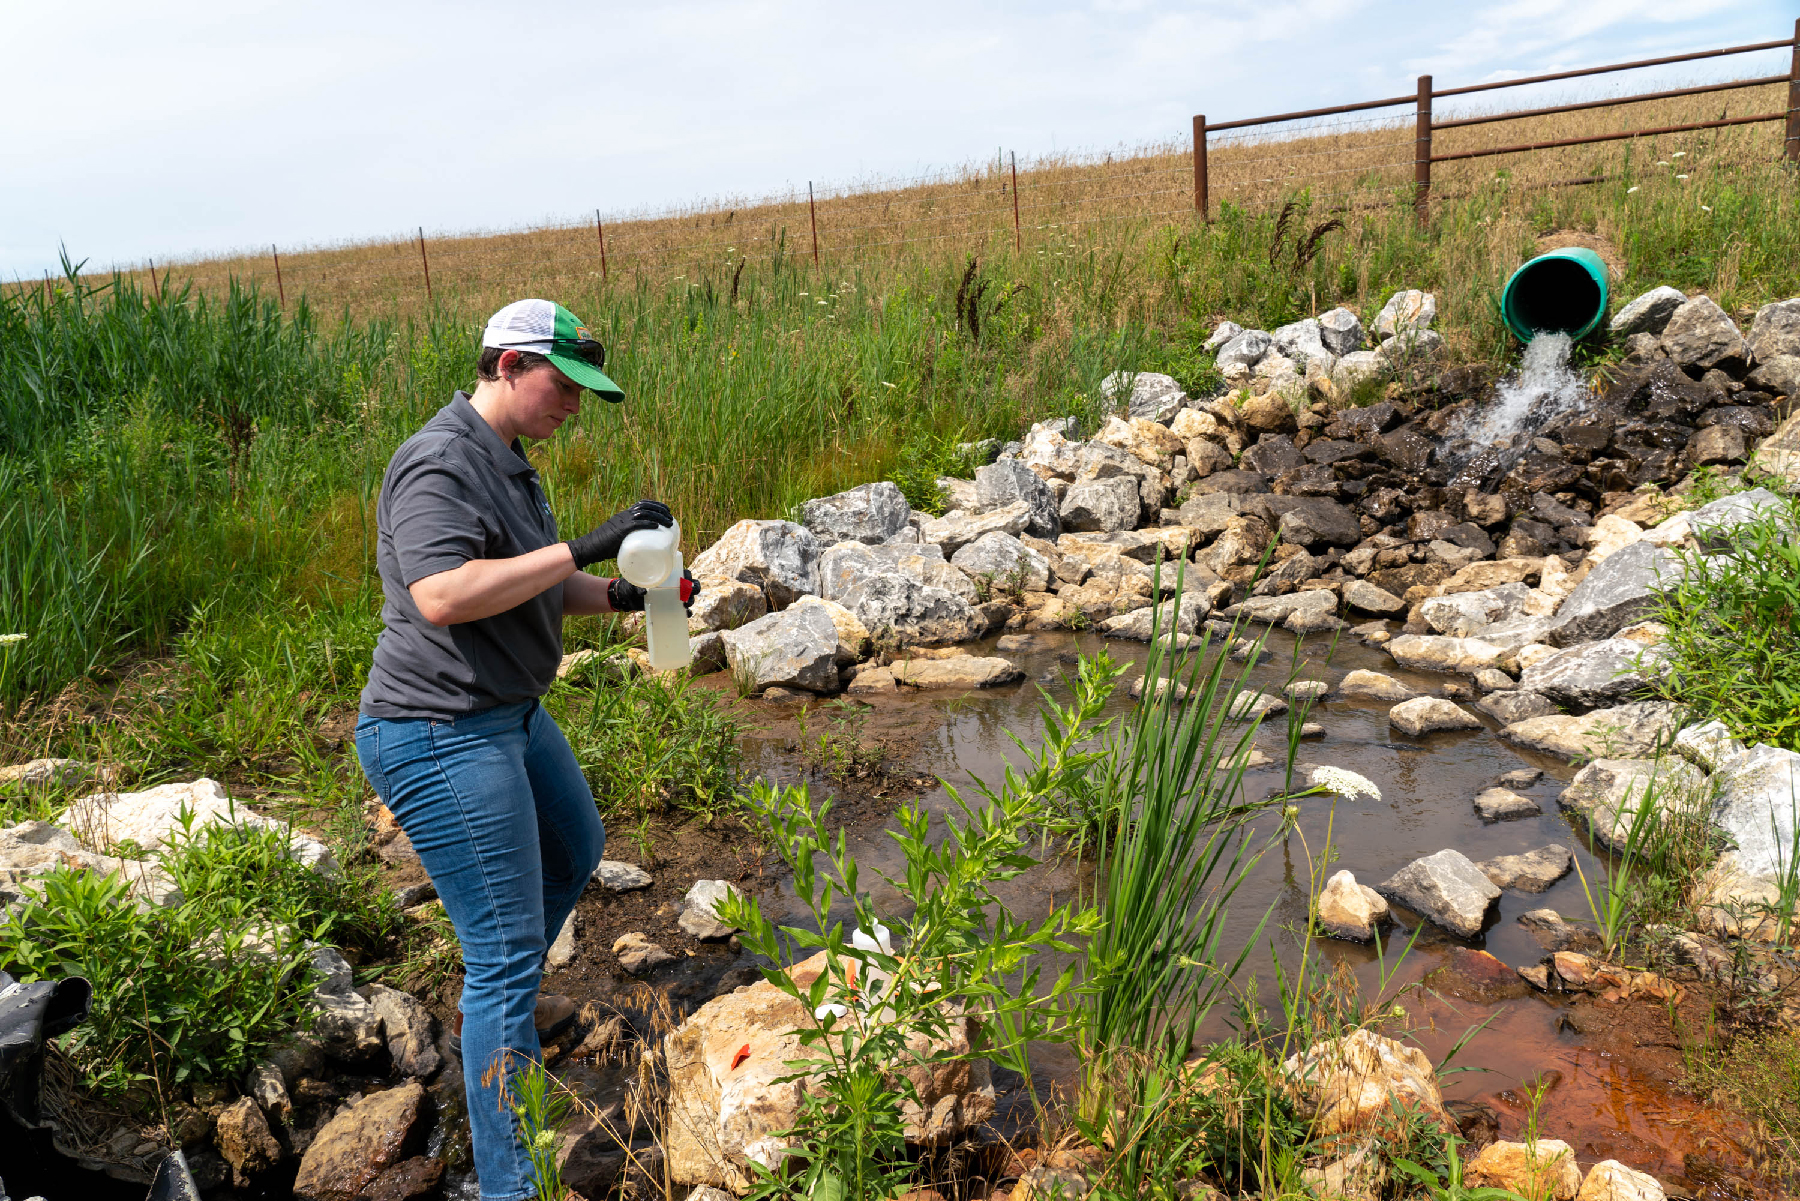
(455,492)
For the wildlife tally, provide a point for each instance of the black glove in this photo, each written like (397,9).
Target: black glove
(627,597)
(603,541)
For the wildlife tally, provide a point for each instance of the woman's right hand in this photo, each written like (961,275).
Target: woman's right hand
(604,540)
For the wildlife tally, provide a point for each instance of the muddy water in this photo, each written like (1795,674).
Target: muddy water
(1603,1104)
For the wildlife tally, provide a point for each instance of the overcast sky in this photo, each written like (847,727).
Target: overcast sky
(174,129)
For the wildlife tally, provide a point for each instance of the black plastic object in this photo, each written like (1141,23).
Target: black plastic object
(29,1014)
(173,1181)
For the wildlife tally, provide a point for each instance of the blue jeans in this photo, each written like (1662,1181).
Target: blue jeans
(502,818)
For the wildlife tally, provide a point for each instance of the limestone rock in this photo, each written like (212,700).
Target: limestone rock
(361,1142)
(1512,705)
(1430,652)
(1009,482)
(847,564)
(1429,714)
(49,773)
(1780,376)
(1551,1173)
(1350,910)
(1775,331)
(779,557)
(852,635)
(1631,731)
(1250,704)
(1608,792)
(958,671)
(1445,888)
(1504,805)
(1713,523)
(1699,334)
(1779,454)
(1222,333)
(870,513)
(1716,445)
(1759,791)
(615,876)
(1529,871)
(1610,1180)
(1277,610)
(725,605)
(638,955)
(562,948)
(346,1026)
(1153,395)
(243,1138)
(1147,441)
(31,850)
(1409,309)
(1356,367)
(953,531)
(154,818)
(1165,617)
(910,612)
(1593,673)
(1376,686)
(1648,313)
(1367,598)
(1004,561)
(726,1107)
(796,648)
(1246,349)
(1351,1085)
(410,1031)
(700,918)
(1105,504)
(1341,331)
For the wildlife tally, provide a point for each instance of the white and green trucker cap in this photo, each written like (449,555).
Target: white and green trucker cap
(545,327)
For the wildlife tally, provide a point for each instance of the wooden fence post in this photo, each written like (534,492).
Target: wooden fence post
(426,263)
(1791,147)
(813,211)
(1200,181)
(1422,152)
(600,232)
(279,290)
(1018,240)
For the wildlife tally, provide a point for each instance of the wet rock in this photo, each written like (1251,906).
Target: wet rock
(243,1138)
(779,557)
(1610,1180)
(1622,589)
(1276,610)
(1432,652)
(1648,313)
(1445,888)
(1353,1084)
(1429,714)
(363,1140)
(156,817)
(1593,673)
(796,648)
(1376,686)
(1756,805)
(1341,332)
(1699,334)
(1005,562)
(1010,482)
(725,605)
(1367,598)
(1555,934)
(1531,871)
(409,1179)
(1547,1170)
(1307,690)
(1503,805)
(266,1087)
(1631,731)
(346,1025)
(1350,910)
(1607,792)
(615,876)
(1473,975)
(1716,445)
(729,1102)
(959,671)
(1105,505)
(638,955)
(410,1031)
(1162,688)
(870,513)
(1167,616)
(1250,704)
(953,531)
(700,916)
(1523,777)
(872,681)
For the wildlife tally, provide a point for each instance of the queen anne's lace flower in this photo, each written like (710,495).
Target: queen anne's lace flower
(1346,784)
(6,638)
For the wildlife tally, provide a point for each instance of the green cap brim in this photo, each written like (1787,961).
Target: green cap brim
(588,376)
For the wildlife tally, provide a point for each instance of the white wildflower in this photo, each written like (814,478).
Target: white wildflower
(1681,177)
(1662,162)
(1346,784)
(1631,189)
(1706,208)
(6,638)
(1678,154)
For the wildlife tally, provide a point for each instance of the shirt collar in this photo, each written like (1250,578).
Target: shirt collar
(509,459)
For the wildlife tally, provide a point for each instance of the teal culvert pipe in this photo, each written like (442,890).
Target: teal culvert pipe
(1560,292)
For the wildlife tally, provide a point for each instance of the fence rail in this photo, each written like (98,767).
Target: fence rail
(1425,125)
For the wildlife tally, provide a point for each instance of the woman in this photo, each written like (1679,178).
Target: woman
(452,736)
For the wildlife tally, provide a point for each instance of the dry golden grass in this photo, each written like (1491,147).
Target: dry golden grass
(1351,162)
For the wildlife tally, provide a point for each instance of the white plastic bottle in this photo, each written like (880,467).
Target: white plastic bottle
(651,559)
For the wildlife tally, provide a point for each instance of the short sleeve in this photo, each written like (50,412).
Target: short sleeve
(436,526)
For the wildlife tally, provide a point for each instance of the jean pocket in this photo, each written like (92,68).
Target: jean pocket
(368,752)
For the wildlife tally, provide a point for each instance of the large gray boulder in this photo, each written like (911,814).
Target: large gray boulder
(1313,521)
(1621,589)
(1008,482)
(1208,515)
(908,611)
(1445,888)
(1430,714)
(1184,618)
(1608,793)
(1779,375)
(1468,614)
(847,564)
(1222,333)
(953,531)
(1633,731)
(1245,350)
(1301,339)
(1593,673)
(1647,314)
(795,648)
(1153,396)
(779,557)
(1776,330)
(1699,334)
(1712,523)
(870,513)
(1005,562)
(1106,505)
(1758,801)
(1341,331)
(1407,310)
(1511,706)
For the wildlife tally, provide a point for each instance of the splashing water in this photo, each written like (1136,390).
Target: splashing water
(1544,391)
